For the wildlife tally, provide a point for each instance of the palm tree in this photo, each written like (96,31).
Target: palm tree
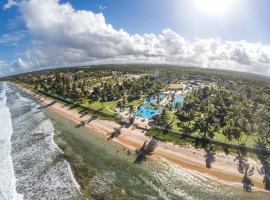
(102,98)
(248,172)
(131,109)
(36,86)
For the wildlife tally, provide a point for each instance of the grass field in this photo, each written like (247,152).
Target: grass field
(107,107)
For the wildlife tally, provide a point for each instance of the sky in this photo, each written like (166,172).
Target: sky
(225,34)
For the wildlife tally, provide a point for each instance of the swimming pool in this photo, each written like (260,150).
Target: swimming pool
(147,109)
(148,112)
(154,99)
(178,99)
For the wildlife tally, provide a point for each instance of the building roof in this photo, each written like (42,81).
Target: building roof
(176,86)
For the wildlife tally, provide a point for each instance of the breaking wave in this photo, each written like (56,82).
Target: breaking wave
(40,169)
(7,177)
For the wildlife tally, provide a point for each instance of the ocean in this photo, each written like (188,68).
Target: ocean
(35,168)
(7,177)
(32,162)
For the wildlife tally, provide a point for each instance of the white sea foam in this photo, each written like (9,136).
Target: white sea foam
(7,177)
(41,171)
(187,184)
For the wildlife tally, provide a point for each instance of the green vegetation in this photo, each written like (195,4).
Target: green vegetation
(220,105)
(107,107)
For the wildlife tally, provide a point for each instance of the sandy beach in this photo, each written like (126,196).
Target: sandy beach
(224,169)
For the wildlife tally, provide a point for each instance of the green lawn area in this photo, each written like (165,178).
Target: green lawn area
(168,137)
(136,102)
(108,107)
(245,139)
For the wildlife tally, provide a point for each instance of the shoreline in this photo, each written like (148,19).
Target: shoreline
(8,180)
(224,169)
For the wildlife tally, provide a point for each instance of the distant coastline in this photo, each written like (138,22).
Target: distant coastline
(223,170)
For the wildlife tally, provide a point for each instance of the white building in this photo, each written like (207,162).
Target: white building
(156,72)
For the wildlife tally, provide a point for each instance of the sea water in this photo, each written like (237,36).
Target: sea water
(7,177)
(152,179)
(38,164)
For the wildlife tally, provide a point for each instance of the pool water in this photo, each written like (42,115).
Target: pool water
(178,100)
(147,110)
(155,98)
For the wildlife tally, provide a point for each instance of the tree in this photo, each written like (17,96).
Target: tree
(131,109)
(163,118)
(102,98)
(36,86)
(248,172)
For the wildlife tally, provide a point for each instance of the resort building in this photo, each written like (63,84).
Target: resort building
(156,73)
(176,87)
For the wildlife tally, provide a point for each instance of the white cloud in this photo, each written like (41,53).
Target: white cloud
(63,35)
(21,64)
(12,38)
(101,7)
(6,68)
(10,4)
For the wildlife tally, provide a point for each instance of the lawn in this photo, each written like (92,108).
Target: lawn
(245,139)
(108,107)
(136,102)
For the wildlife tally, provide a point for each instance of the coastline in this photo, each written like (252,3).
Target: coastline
(223,170)
(37,168)
(8,180)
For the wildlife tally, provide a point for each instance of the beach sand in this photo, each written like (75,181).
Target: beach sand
(224,169)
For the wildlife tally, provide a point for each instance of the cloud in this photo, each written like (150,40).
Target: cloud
(5,68)
(12,38)
(101,7)
(20,64)
(10,4)
(63,35)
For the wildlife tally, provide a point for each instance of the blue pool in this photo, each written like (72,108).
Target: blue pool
(147,110)
(148,113)
(178,100)
(154,99)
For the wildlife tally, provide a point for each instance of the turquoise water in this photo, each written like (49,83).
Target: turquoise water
(147,110)
(151,179)
(179,99)
(154,99)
